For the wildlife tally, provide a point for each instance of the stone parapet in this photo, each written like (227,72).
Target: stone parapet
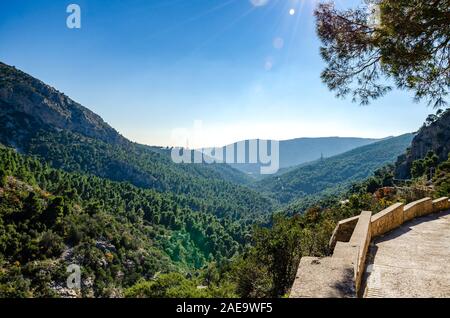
(387,220)
(441,204)
(343,231)
(340,275)
(418,208)
(361,237)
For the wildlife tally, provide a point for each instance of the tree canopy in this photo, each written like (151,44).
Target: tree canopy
(387,42)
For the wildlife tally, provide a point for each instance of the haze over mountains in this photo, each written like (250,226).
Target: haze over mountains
(297,151)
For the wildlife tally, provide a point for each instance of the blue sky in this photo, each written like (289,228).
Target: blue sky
(152,68)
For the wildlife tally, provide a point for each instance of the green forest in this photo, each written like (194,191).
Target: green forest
(114,229)
(136,242)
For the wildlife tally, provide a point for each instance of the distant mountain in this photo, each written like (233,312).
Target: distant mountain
(301,150)
(338,171)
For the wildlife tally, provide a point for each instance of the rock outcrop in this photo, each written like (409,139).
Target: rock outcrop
(28,105)
(432,137)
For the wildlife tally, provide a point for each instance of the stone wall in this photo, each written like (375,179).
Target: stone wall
(339,275)
(361,239)
(343,231)
(441,204)
(387,220)
(417,208)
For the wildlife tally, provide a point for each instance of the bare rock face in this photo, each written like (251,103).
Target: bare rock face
(433,137)
(27,105)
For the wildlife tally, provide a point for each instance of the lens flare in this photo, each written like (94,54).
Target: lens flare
(259,3)
(278,43)
(268,64)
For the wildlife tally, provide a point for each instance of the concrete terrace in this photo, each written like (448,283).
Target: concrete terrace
(411,261)
(402,251)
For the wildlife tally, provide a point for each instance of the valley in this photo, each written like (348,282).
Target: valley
(74,191)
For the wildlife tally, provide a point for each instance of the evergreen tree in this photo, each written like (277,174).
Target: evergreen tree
(3,177)
(54,211)
(404,40)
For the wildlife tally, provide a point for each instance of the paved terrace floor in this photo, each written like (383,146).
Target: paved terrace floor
(411,261)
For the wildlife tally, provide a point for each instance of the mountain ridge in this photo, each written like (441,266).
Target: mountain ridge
(293,152)
(337,171)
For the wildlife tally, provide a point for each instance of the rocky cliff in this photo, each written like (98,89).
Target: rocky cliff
(433,136)
(27,105)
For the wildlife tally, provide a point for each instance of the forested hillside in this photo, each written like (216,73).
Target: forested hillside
(145,168)
(74,191)
(117,232)
(335,173)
